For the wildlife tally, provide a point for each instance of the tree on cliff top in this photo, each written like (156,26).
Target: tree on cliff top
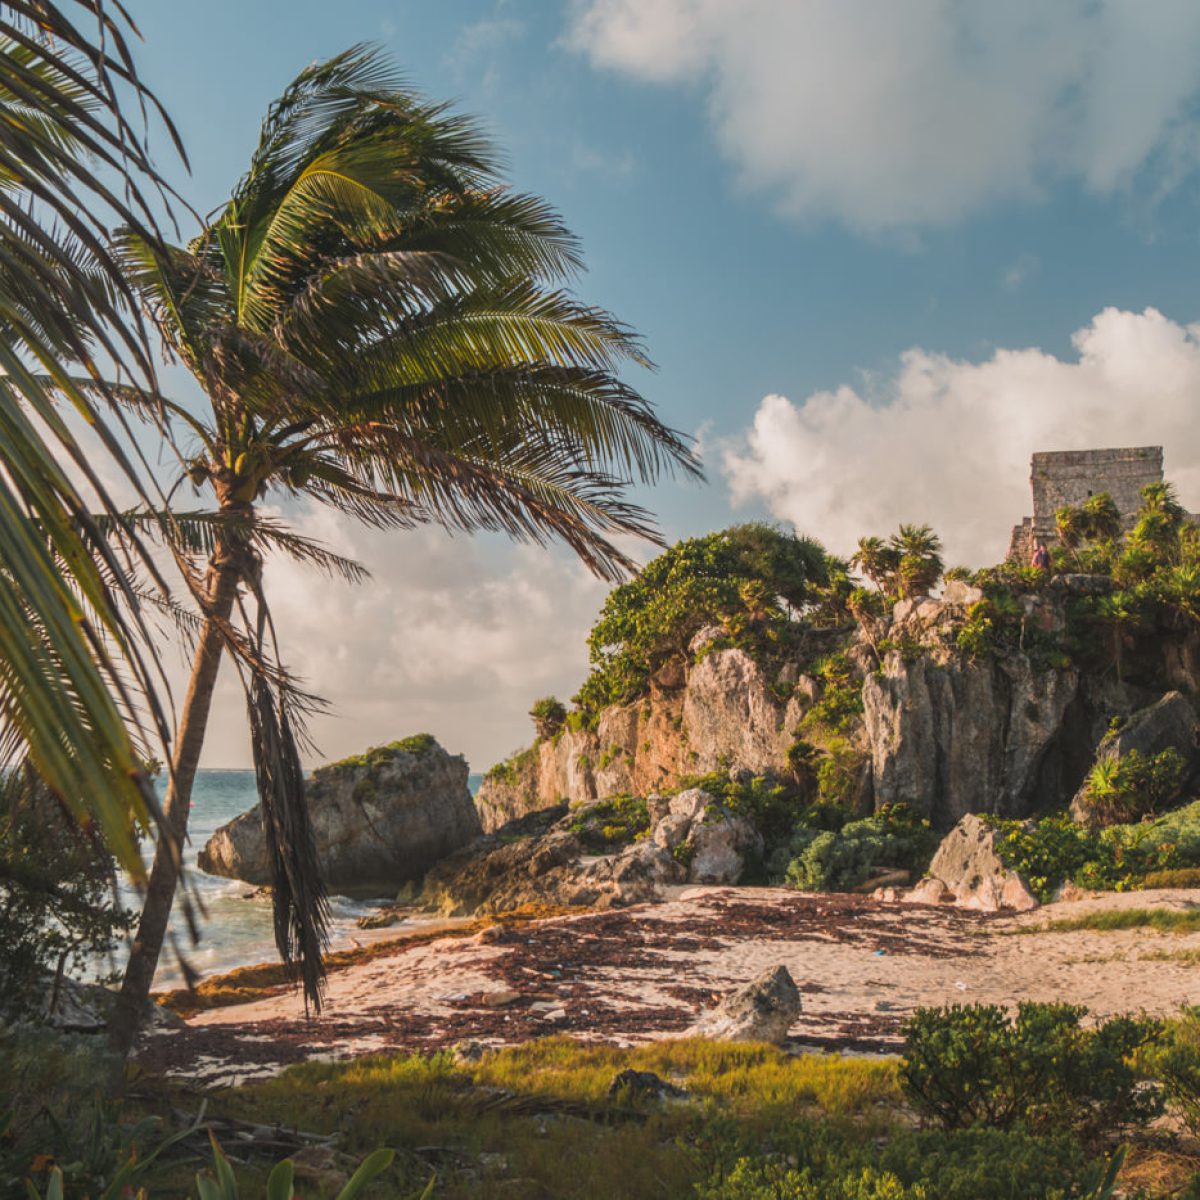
(750,579)
(378,325)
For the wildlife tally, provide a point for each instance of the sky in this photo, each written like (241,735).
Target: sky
(879,252)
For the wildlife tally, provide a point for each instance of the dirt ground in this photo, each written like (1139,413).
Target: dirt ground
(647,972)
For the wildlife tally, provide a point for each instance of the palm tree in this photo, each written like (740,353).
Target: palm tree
(920,560)
(877,560)
(377,325)
(73,656)
(1102,518)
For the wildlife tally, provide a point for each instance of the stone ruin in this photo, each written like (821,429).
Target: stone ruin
(1061,477)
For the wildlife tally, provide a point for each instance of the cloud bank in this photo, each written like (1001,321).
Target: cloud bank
(948,442)
(451,636)
(888,115)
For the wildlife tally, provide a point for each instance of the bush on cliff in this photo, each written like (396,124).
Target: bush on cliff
(751,579)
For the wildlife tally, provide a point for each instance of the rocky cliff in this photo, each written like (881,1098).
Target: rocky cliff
(936,711)
(380,819)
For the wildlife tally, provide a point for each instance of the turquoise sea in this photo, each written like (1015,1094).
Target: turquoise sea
(235,925)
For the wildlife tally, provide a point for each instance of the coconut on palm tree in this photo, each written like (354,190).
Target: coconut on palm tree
(377,324)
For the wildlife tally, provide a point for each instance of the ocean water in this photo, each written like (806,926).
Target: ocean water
(236,925)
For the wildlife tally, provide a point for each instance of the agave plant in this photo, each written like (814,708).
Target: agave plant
(380,326)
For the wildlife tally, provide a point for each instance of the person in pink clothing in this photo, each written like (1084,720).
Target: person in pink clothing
(1040,557)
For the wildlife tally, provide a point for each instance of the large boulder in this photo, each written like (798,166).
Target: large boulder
(380,820)
(761,1011)
(716,845)
(967,870)
(540,860)
(1167,724)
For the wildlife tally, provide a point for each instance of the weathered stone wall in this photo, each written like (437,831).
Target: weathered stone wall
(1071,476)
(1060,477)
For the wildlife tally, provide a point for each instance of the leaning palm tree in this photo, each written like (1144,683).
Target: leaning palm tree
(378,325)
(72,652)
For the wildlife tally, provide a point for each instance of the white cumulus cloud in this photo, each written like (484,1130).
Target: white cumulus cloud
(948,442)
(885,114)
(451,636)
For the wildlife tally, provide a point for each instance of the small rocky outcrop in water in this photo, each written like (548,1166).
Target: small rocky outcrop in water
(380,819)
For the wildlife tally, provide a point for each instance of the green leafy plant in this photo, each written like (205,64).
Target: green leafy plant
(549,715)
(1042,1070)
(751,580)
(840,702)
(617,821)
(1174,1061)
(832,861)
(1134,785)
(218,1182)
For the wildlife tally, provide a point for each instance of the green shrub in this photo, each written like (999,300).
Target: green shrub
(1054,849)
(833,861)
(774,807)
(750,579)
(1134,785)
(841,699)
(993,1164)
(1174,1061)
(972,1065)
(767,1179)
(617,821)
(57,902)
(549,715)
(1045,852)
(839,772)
(376,756)
(509,771)
(1179,877)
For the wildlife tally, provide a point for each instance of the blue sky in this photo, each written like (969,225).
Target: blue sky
(880,253)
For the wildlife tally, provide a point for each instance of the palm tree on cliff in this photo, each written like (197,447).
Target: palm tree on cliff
(378,325)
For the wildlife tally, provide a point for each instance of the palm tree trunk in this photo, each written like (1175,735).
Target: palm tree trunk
(133,1002)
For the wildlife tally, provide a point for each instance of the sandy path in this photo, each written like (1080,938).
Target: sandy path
(646,972)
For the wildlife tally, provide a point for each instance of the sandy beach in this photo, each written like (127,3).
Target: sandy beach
(647,972)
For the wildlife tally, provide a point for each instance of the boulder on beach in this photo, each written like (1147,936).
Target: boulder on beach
(761,1011)
(381,819)
(967,870)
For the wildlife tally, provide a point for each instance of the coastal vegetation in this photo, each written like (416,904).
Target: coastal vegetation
(751,581)
(377,324)
(979,1105)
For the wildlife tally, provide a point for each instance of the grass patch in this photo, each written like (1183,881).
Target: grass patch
(1166,920)
(527,1111)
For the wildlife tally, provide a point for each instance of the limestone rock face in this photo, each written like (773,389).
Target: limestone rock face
(732,716)
(968,867)
(720,849)
(950,738)
(1168,724)
(380,820)
(761,1011)
(718,712)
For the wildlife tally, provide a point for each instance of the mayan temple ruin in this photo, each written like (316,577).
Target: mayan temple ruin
(1061,477)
